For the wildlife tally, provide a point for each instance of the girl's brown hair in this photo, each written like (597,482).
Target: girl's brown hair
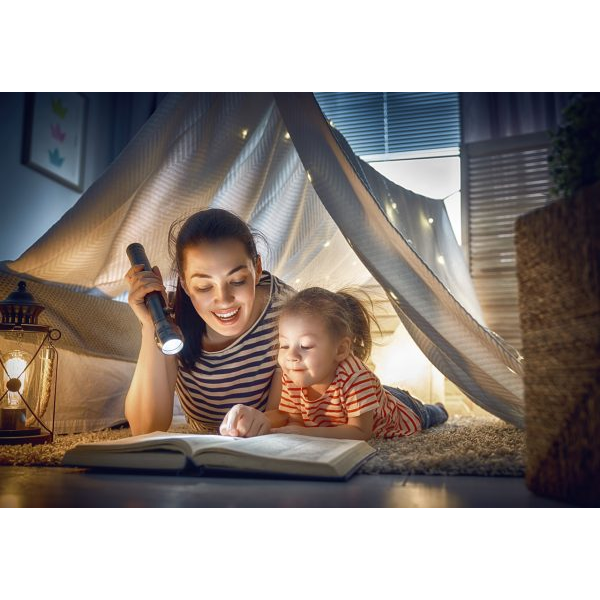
(209,225)
(342,312)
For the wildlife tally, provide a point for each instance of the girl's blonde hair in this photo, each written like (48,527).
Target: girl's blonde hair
(342,312)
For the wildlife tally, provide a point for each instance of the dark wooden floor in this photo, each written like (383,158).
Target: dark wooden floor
(63,487)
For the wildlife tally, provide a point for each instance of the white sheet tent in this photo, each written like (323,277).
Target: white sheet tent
(276,162)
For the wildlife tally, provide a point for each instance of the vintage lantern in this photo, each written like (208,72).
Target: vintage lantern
(28,370)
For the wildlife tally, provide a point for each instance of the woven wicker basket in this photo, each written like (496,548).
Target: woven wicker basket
(558,265)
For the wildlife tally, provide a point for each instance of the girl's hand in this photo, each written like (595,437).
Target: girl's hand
(142,283)
(290,429)
(244,421)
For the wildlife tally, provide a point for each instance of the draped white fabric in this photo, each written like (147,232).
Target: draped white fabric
(198,150)
(234,151)
(425,296)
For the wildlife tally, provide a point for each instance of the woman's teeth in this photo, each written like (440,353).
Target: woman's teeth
(227,316)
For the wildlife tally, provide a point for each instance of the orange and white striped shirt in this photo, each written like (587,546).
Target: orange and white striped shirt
(354,391)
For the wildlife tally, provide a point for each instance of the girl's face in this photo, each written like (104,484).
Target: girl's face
(308,353)
(220,279)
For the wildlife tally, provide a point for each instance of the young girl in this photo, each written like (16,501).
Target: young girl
(327,390)
(227,309)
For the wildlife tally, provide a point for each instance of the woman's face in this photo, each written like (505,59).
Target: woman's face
(220,279)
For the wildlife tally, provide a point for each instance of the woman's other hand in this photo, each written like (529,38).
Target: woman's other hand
(244,421)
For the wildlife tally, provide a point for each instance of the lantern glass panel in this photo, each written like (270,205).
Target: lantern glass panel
(26,376)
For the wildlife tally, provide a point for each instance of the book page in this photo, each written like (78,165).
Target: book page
(281,446)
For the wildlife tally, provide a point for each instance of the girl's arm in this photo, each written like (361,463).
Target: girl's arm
(276,417)
(357,428)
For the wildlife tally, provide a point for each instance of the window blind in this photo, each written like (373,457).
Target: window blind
(394,122)
(501,180)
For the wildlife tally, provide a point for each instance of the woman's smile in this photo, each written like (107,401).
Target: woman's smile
(227,317)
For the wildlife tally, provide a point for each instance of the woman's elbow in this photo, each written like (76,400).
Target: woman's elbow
(139,426)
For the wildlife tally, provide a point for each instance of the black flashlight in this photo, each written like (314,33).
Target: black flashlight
(168,336)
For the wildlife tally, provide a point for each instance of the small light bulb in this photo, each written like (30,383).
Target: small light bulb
(244,133)
(16,376)
(287,135)
(331,123)
(393,295)
(297,281)
(394,205)
(326,244)
(430,220)
(308,175)
(441,260)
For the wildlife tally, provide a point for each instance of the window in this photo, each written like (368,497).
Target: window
(411,138)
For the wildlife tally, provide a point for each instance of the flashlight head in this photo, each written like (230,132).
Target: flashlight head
(168,337)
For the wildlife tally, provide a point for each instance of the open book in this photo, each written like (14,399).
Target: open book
(274,454)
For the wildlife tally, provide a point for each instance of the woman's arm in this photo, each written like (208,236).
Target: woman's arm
(149,401)
(357,428)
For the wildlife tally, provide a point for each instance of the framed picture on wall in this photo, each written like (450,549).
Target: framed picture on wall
(54,135)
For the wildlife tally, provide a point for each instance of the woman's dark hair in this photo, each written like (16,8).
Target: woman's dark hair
(342,312)
(210,225)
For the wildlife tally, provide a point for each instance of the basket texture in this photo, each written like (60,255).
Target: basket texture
(558,267)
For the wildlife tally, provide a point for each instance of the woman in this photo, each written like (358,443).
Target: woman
(227,309)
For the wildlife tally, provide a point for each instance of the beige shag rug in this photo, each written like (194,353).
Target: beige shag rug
(462,446)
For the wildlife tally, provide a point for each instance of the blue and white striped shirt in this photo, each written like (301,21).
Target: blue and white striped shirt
(239,374)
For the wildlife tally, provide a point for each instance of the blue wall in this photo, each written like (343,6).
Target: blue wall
(30,202)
